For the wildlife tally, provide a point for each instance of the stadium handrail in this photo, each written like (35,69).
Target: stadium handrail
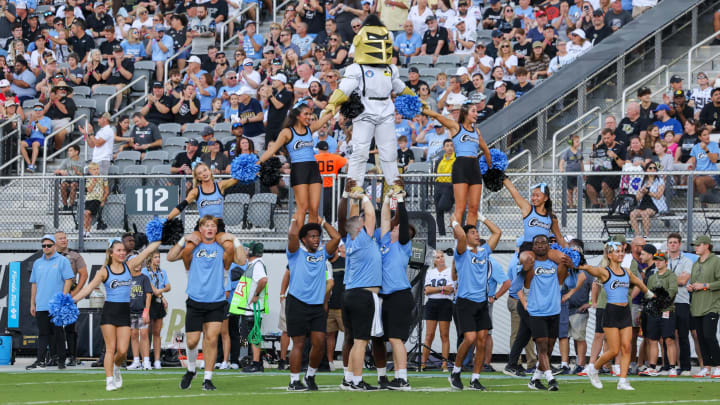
(131,104)
(570,125)
(10,134)
(644,80)
(127,86)
(170,59)
(693,49)
(242,12)
(61,150)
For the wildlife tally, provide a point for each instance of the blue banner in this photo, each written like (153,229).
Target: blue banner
(14,295)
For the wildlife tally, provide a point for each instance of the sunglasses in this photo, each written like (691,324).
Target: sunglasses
(236,125)
(284,35)
(356,26)
(651,167)
(47,245)
(232,78)
(37,109)
(505,46)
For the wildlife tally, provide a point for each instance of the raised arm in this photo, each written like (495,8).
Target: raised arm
(448,123)
(332,245)
(521,202)
(140,257)
(293,236)
(282,139)
(318,123)
(368,215)
(189,199)
(484,148)
(495,231)
(100,277)
(598,272)
(385,216)
(460,237)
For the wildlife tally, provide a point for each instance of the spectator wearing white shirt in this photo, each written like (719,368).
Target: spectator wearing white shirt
(579,44)
(453,96)
(77,12)
(418,14)
(445,14)
(248,77)
(462,14)
(641,6)
(303,83)
(463,41)
(507,60)
(560,60)
(479,62)
(101,142)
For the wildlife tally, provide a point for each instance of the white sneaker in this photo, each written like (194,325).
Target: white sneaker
(715,372)
(110,386)
(594,377)
(118,377)
(672,372)
(702,374)
(217,365)
(625,386)
(616,369)
(158,365)
(234,366)
(686,373)
(147,366)
(134,366)
(663,372)
(224,366)
(332,366)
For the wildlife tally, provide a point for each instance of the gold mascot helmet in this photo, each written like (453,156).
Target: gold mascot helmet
(372,43)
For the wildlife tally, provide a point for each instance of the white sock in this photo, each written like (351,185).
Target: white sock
(356,379)
(345,369)
(382,371)
(311,371)
(294,377)
(548,375)
(591,367)
(456,369)
(208,375)
(192,355)
(537,374)
(348,375)
(136,360)
(474,377)
(564,364)
(146,359)
(402,374)
(623,380)
(108,380)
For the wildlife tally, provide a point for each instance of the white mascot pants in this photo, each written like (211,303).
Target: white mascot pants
(386,142)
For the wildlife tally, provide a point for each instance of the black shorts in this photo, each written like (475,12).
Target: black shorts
(396,310)
(472,316)
(220,226)
(571,181)
(596,181)
(247,322)
(525,246)
(438,309)
(115,313)
(544,326)
(199,313)
(617,316)
(93,206)
(304,173)
(157,310)
(659,327)
(302,318)
(599,319)
(466,170)
(357,313)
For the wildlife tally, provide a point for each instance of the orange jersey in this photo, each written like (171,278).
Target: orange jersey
(329,163)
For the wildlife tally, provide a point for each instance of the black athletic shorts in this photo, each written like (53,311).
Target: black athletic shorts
(357,313)
(599,319)
(396,319)
(617,316)
(199,313)
(221,225)
(247,322)
(115,313)
(438,309)
(466,170)
(544,326)
(302,318)
(472,316)
(157,310)
(659,327)
(93,206)
(596,181)
(304,173)
(525,246)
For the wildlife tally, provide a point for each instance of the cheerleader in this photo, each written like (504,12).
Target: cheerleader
(468,143)
(305,177)
(617,320)
(115,319)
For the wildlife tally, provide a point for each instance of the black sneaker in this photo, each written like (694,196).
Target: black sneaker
(52,363)
(536,385)
(282,365)
(553,385)
(61,365)
(555,370)
(475,385)
(455,381)
(38,365)
(208,386)
(577,370)
(399,384)
(72,362)
(187,380)
(255,367)
(346,385)
(363,386)
(383,383)
(297,386)
(513,371)
(564,370)
(487,368)
(310,382)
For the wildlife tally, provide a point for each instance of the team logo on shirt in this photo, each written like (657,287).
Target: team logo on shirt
(302,144)
(205,253)
(207,203)
(468,138)
(536,222)
(369,73)
(542,271)
(477,260)
(619,284)
(120,283)
(315,259)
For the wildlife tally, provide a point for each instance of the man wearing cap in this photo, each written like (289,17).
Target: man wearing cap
(700,96)
(79,41)
(193,69)
(435,40)
(146,135)
(710,114)
(252,41)
(202,31)
(60,108)
(676,83)
(51,274)
(480,62)
(98,20)
(470,21)
(160,46)
(407,44)
(647,107)
(158,107)
(250,113)
(414,81)
(187,107)
(8,15)
(182,163)
(280,102)
(704,288)
(465,83)
(231,86)
(39,127)
(608,156)
(31,27)
(208,135)
(248,78)
(679,108)
(38,50)
(119,72)
(617,17)
(492,15)
(463,42)
(536,33)
(665,122)
(632,125)
(599,29)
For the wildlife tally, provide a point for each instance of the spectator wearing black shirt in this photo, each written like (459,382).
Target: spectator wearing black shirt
(182,164)
(280,102)
(523,85)
(494,45)
(31,27)
(608,156)
(710,114)
(106,48)
(98,20)
(599,30)
(250,112)
(178,32)
(215,159)
(647,107)
(405,155)
(616,17)
(208,135)
(492,15)
(79,41)
(632,125)
(414,81)
(159,105)
(145,135)
(679,108)
(187,107)
(522,47)
(312,12)
(61,110)
(497,101)
(119,73)
(435,39)
(217,10)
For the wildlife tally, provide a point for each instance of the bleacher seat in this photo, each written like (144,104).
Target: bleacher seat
(170,128)
(143,68)
(28,104)
(83,91)
(235,208)
(421,61)
(448,63)
(194,127)
(418,153)
(418,167)
(155,157)
(128,181)
(85,106)
(261,210)
(223,127)
(173,150)
(101,94)
(160,181)
(174,141)
(113,213)
(403,72)
(127,158)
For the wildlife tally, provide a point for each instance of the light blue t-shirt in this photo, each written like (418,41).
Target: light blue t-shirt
(230,91)
(158,54)
(408,46)
(492,281)
(332,144)
(35,132)
(250,50)
(702,162)
(135,50)
(200,73)
(206,101)
(544,295)
(521,14)
(403,129)
(158,279)
(395,258)
(473,274)
(28,77)
(308,274)
(363,262)
(516,278)
(206,277)
(49,275)
(303,44)
(434,142)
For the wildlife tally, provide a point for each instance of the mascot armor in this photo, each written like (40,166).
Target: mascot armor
(374,78)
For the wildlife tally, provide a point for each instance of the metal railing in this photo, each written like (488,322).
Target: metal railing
(130,105)
(237,17)
(10,134)
(645,79)
(278,6)
(571,125)
(120,92)
(690,68)
(61,150)
(170,59)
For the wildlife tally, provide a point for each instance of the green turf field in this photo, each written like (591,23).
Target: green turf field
(270,388)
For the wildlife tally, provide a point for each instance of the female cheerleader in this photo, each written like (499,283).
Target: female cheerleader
(617,320)
(305,177)
(158,305)
(115,320)
(466,177)
(440,290)
(538,219)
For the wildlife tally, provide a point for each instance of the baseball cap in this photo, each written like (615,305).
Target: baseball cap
(159,27)
(99,3)
(478,98)
(34,15)
(537,44)
(10,102)
(194,59)
(430,18)
(494,1)
(662,107)
(548,26)
(268,49)
(322,145)
(246,90)
(207,131)
(648,248)
(459,21)
(598,13)
(280,77)
(702,239)
(248,22)
(643,91)
(277,61)
(23,6)
(364,2)
(157,85)
(579,32)
(540,13)
(679,93)
(497,34)
(256,249)
(436,124)
(412,69)
(248,61)
(192,142)
(676,79)
(461,71)
(117,48)
(38,104)
(49,237)
(498,84)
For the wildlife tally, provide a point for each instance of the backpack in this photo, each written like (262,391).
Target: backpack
(623,205)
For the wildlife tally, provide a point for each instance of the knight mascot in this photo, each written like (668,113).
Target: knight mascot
(364,94)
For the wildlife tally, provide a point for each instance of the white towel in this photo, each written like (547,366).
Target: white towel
(377,327)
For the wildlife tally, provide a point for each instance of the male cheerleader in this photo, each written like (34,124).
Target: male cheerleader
(206,261)
(543,279)
(307,296)
(471,307)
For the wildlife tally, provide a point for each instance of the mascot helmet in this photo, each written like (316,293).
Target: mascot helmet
(372,43)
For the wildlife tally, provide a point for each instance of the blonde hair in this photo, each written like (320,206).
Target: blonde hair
(202,221)
(148,260)
(196,182)
(93,165)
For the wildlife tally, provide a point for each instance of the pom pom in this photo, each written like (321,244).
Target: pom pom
(270,172)
(659,302)
(244,168)
(154,229)
(63,310)
(408,106)
(353,107)
(575,256)
(498,159)
(173,230)
(493,179)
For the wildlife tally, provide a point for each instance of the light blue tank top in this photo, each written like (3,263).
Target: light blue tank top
(300,147)
(535,224)
(544,295)
(466,143)
(616,287)
(117,286)
(206,278)
(210,204)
